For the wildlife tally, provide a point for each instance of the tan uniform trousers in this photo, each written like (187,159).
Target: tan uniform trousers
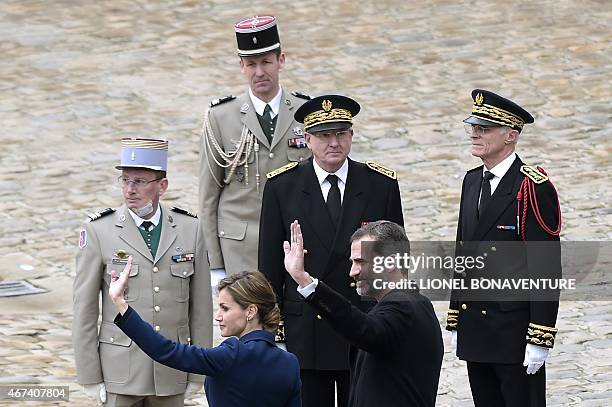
(124,400)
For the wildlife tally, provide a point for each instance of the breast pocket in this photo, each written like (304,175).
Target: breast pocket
(132,292)
(181,274)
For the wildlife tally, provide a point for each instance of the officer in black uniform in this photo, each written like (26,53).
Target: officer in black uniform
(331,196)
(509,213)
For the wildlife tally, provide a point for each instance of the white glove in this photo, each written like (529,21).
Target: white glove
(281,345)
(192,389)
(216,275)
(96,391)
(535,356)
(454,341)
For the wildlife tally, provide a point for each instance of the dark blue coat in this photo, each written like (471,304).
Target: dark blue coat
(250,371)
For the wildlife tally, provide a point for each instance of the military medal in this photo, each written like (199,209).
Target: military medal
(182,258)
(297,142)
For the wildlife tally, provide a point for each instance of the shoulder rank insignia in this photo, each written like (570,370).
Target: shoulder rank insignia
(534,174)
(183,212)
(383,170)
(282,169)
(101,214)
(219,101)
(301,95)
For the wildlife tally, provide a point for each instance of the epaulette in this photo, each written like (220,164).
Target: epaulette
(383,170)
(183,211)
(301,95)
(282,169)
(534,174)
(219,101)
(101,214)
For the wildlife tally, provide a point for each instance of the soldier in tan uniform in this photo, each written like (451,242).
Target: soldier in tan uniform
(244,138)
(169,286)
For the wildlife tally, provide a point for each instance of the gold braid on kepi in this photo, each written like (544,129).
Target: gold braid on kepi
(327,112)
(541,335)
(490,109)
(498,116)
(321,116)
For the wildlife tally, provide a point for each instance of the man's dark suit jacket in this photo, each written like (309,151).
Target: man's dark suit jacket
(495,331)
(250,371)
(396,348)
(296,195)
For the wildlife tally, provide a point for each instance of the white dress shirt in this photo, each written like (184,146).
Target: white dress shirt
(498,171)
(342,173)
(154,220)
(260,105)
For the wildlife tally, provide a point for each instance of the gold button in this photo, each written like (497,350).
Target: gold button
(483,312)
(463,306)
(157,308)
(353,284)
(222,233)
(112,339)
(155,269)
(319,316)
(156,289)
(157,328)
(271,155)
(301,158)
(493,248)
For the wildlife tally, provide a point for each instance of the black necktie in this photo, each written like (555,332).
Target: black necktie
(268,123)
(333,199)
(485,195)
(146,225)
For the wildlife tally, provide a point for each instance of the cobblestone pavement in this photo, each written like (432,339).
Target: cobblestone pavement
(77,76)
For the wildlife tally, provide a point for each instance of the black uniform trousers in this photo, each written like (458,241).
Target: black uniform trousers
(506,385)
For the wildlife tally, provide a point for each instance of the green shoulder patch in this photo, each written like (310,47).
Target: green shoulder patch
(183,212)
(219,101)
(534,174)
(282,169)
(381,169)
(101,214)
(301,95)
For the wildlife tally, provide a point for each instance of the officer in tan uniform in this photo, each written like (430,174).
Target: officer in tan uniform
(169,286)
(244,138)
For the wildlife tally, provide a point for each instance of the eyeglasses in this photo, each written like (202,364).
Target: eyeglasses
(329,134)
(137,183)
(471,129)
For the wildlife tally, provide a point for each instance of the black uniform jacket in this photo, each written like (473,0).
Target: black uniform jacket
(396,348)
(495,331)
(296,195)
